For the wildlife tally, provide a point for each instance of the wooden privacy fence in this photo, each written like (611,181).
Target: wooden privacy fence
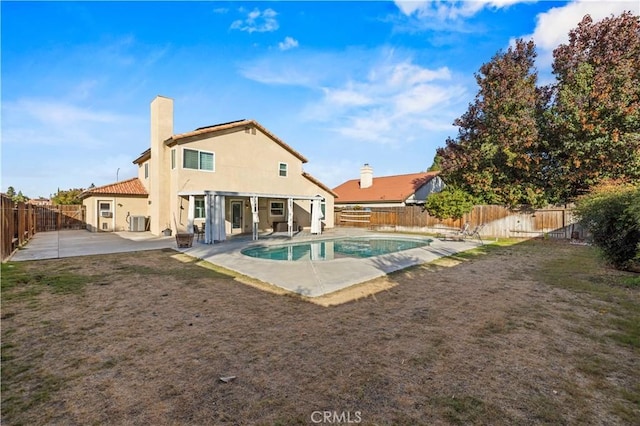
(58,217)
(497,221)
(18,224)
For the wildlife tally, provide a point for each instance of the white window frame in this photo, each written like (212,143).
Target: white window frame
(146,170)
(198,210)
(272,208)
(199,151)
(286,169)
(173,159)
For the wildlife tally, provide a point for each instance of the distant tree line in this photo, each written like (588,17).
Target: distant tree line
(521,144)
(17,197)
(62,197)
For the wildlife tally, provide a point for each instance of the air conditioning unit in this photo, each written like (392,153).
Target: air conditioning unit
(106,214)
(138,223)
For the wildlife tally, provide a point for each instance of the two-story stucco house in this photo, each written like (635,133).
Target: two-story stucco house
(229,178)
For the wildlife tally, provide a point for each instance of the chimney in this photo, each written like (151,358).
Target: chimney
(366,176)
(159,183)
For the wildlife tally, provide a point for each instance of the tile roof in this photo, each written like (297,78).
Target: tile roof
(395,188)
(126,187)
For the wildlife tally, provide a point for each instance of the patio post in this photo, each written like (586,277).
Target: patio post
(208,218)
(290,216)
(191,213)
(255,218)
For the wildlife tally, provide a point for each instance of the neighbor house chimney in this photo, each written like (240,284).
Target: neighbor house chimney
(161,130)
(366,176)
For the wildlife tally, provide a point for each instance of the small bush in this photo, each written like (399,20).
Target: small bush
(451,203)
(611,213)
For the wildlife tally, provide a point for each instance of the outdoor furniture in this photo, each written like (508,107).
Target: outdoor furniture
(456,235)
(184,240)
(476,232)
(199,233)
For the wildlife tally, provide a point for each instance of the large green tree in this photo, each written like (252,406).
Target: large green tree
(70,196)
(498,155)
(594,119)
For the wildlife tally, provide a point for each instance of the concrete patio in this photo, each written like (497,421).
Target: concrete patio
(310,278)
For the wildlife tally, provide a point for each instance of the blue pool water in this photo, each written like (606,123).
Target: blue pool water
(334,249)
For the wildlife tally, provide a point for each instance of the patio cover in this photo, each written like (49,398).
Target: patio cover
(215,229)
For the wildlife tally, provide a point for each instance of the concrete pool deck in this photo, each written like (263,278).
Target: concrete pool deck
(313,278)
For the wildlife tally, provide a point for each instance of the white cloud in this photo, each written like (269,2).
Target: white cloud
(33,121)
(288,43)
(377,96)
(308,69)
(450,10)
(396,102)
(553,26)
(257,21)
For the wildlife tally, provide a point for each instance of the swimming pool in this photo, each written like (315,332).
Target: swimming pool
(335,249)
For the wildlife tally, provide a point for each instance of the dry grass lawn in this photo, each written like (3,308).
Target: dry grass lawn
(533,333)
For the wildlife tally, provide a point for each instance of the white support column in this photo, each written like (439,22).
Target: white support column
(316,217)
(219,231)
(191,213)
(208,218)
(290,216)
(255,218)
(223,215)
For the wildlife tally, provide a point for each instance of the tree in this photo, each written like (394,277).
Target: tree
(611,213)
(436,165)
(71,196)
(451,203)
(18,197)
(594,120)
(497,156)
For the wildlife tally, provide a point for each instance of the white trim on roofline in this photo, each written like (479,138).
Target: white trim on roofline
(251,194)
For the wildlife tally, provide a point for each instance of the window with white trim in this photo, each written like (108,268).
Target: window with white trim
(173,159)
(146,170)
(198,203)
(198,160)
(276,208)
(282,169)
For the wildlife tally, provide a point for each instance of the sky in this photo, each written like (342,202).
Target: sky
(343,83)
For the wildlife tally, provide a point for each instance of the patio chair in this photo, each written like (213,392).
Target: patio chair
(455,235)
(198,232)
(475,232)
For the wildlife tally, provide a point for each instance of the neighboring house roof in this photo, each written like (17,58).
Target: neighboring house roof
(209,130)
(395,188)
(126,187)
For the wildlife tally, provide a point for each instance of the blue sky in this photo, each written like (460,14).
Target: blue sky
(344,83)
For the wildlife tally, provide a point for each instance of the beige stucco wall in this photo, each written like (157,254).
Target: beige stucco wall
(121,207)
(145,181)
(245,162)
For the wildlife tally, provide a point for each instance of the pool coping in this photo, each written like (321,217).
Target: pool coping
(315,278)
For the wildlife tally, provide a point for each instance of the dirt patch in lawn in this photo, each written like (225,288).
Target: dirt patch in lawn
(539,332)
